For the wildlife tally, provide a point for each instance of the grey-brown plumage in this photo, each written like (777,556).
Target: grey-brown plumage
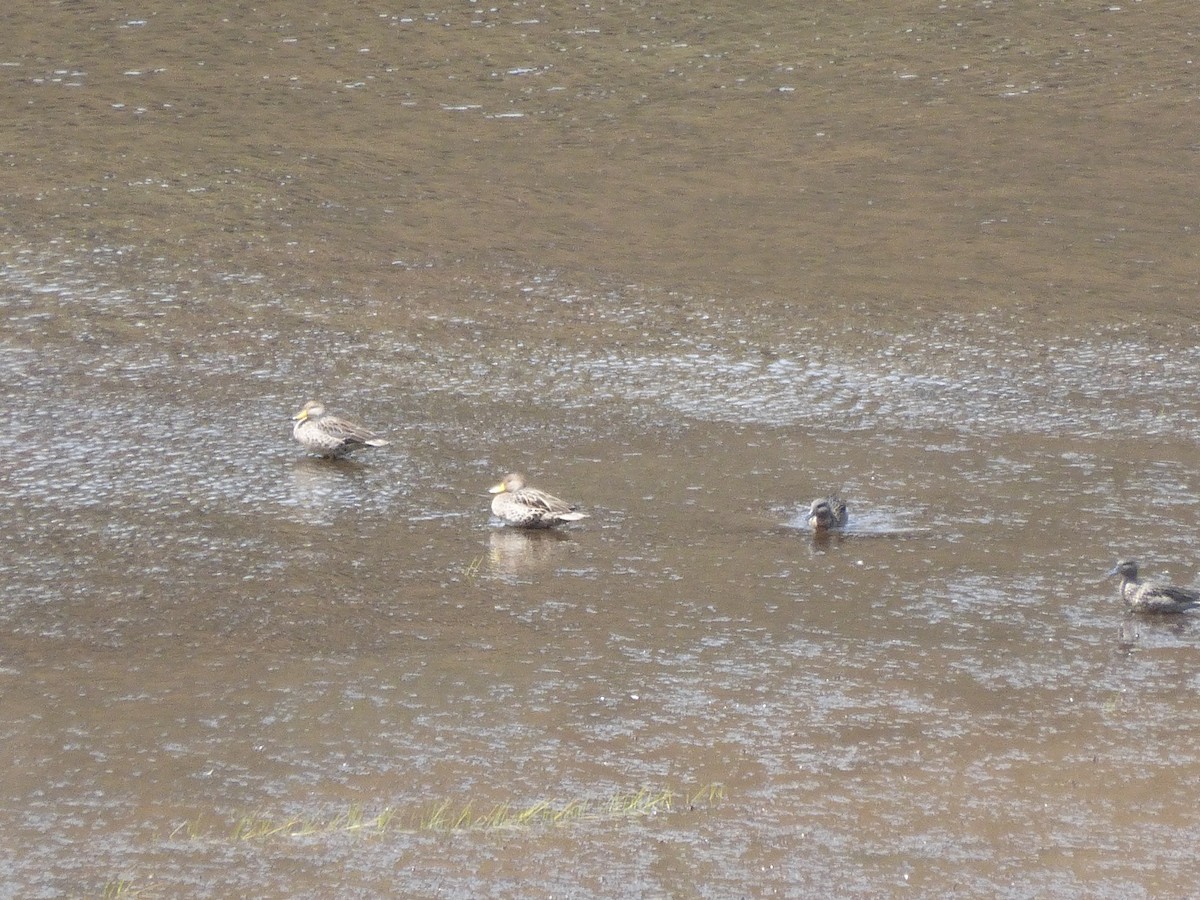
(827,513)
(1149,596)
(526,507)
(328,435)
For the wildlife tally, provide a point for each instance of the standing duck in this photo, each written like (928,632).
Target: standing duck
(1149,597)
(330,436)
(527,507)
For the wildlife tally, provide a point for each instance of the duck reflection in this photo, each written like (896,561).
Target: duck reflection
(322,487)
(1128,635)
(825,540)
(513,552)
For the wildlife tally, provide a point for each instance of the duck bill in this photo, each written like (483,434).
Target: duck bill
(301,416)
(497,489)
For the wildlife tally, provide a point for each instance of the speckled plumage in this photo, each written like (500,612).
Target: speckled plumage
(827,513)
(1152,597)
(526,507)
(328,435)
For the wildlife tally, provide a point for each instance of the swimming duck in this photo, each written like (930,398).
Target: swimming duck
(1149,597)
(827,513)
(330,436)
(527,507)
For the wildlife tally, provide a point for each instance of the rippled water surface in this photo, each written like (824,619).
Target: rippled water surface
(688,268)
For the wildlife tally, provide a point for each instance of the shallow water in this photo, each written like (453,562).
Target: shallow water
(688,270)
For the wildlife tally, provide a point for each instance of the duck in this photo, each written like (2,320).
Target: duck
(330,436)
(827,513)
(1151,597)
(527,507)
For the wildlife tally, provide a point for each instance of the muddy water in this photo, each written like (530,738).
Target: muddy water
(688,268)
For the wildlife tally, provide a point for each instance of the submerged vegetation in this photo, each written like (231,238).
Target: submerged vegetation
(446,816)
(120,889)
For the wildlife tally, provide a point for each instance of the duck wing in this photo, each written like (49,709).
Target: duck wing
(349,432)
(1168,598)
(541,501)
(1182,596)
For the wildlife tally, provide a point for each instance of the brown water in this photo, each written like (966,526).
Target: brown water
(688,267)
